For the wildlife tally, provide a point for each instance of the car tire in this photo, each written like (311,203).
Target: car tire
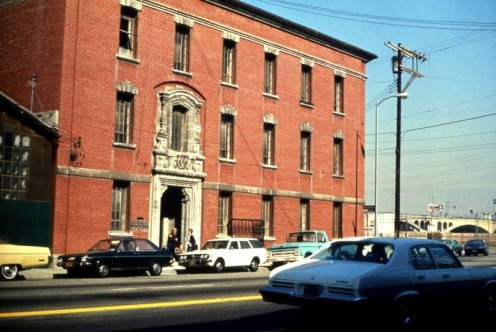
(490,305)
(219,265)
(102,270)
(253,265)
(155,269)
(9,272)
(407,314)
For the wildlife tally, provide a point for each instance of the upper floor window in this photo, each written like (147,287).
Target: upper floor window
(182,48)
(306,84)
(124,113)
(120,206)
(338,94)
(268,144)
(179,129)
(226,136)
(338,157)
(14,165)
(229,61)
(270,74)
(305,148)
(128,32)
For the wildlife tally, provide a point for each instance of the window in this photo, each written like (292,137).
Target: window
(304,214)
(14,165)
(269,144)
(268,215)
(128,32)
(337,220)
(338,94)
(179,130)
(270,74)
(306,84)
(337,169)
(124,112)
(120,194)
(226,136)
(225,212)
(305,148)
(181,50)
(229,62)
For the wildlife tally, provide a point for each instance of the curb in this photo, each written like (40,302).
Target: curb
(54,272)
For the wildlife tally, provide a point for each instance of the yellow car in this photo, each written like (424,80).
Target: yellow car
(15,258)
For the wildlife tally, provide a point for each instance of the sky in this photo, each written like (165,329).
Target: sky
(448,121)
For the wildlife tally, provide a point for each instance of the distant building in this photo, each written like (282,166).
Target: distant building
(209,114)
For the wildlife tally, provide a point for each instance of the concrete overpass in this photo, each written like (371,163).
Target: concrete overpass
(427,223)
(452,225)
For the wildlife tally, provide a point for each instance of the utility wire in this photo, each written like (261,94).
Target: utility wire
(385,20)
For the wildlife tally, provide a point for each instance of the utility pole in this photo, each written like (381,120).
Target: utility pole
(398,67)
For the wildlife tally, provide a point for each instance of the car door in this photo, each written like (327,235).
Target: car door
(124,256)
(246,252)
(143,254)
(233,254)
(437,274)
(455,280)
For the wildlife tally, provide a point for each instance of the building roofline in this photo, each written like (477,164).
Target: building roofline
(26,117)
(292,27)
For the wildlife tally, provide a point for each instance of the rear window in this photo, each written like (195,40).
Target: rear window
(256,244)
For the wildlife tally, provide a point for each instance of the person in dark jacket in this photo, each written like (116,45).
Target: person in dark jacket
(191,241)
(173,243)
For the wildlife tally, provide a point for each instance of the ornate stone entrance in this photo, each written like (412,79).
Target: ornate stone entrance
(177,166)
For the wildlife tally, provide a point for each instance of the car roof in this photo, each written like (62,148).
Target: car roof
(232,238)
(391,240)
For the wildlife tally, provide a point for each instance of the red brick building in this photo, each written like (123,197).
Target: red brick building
(210,114)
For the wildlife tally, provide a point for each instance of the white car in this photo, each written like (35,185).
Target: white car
(401,281)
(221,253)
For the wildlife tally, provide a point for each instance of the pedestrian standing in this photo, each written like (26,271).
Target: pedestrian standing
(173,243)
(191,241)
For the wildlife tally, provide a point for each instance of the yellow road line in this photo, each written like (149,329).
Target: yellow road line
(126,307)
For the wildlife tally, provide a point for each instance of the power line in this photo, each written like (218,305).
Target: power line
(384,20)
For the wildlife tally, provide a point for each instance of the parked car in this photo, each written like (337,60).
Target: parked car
(397,281)
(117,254)
(222,253)
(453,245)
(298,245)
(475,247)
(18,257)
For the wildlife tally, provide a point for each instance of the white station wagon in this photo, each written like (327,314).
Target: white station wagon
(221,253)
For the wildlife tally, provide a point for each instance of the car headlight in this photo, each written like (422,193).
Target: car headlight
(84,259)
(204,256)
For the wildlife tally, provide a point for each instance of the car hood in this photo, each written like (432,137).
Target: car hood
(87,253)
(326,272)
(285,246)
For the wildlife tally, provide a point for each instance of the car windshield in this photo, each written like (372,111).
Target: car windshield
(218,244)
(357,251)
(105,244)
(301,237)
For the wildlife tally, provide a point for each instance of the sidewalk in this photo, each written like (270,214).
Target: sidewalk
(53,272)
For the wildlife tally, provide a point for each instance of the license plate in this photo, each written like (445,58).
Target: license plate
(69,264)
(312,291)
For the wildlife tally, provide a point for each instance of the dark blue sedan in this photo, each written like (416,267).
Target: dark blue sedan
(117,254)
(475,247)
